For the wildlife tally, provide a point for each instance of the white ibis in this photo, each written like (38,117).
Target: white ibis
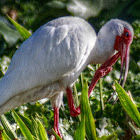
(49,62)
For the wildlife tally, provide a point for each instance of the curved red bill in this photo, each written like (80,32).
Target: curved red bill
(124,43)
(124,61)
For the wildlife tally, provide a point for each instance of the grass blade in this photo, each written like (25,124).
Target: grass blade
(26,120)
(56,135)
(137,137)
(8,128)
(80,131)
(35,128)
(23,32)
(5,136)
(110,137)
(89,120)
(24,129)
(42,132)
(127,104)
(101,94)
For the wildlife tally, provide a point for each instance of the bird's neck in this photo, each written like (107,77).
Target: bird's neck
(102,50)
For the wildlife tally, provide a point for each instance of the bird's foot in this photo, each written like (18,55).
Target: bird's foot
(73,111)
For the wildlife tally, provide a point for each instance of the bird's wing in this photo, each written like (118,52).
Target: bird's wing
(55,50)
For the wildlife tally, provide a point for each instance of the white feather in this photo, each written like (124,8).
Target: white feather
(52,59)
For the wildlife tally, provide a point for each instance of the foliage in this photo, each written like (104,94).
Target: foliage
(8,128)
(128,105)
(87,124)
(36,131)
(112,122)
(56,135)
(23,32)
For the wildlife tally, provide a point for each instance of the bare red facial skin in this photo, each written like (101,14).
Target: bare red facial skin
(122,44)
(126,38)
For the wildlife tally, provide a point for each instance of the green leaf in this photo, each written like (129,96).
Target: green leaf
(24,129)
(45,121)
(87,121)
(35,128)
(5,136)
(1,128)
(26,120)
(56,135)
(23,32)
(110,137)
(7,127)
(42,132)
(80,131)
(127,104)
(137,137)
(75,96)
(137,104)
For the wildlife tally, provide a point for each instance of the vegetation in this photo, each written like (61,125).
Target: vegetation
(112,121)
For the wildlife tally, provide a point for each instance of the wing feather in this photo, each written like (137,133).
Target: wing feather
(56,49)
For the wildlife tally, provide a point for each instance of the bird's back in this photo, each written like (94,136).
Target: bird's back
(55,51)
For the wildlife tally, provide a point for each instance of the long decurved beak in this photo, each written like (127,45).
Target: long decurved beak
(124,50)
(124,53)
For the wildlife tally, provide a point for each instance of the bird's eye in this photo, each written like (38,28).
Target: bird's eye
(127,34)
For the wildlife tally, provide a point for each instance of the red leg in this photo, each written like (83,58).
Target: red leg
(56,121)
(73,111)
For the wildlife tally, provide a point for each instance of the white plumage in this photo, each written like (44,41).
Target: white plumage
(47,62)
(52,59)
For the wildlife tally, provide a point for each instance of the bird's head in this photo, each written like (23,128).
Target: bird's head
(122,34)
(122,44)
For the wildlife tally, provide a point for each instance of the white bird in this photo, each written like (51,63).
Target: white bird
(48,63)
